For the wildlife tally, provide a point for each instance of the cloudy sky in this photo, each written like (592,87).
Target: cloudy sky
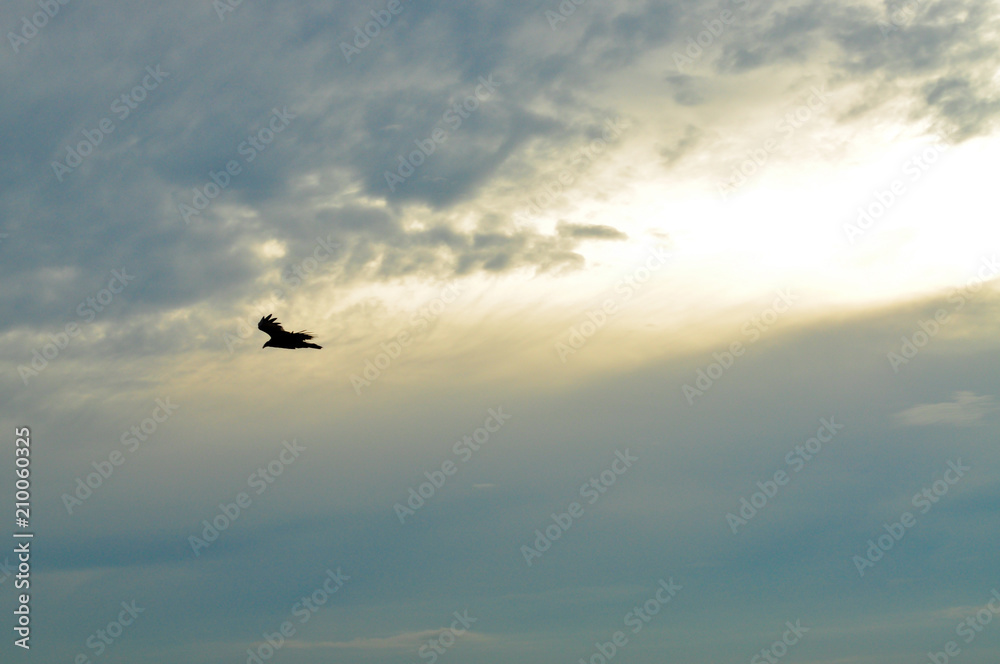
(652,331)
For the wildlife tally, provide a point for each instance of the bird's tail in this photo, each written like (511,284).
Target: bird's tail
(310,346)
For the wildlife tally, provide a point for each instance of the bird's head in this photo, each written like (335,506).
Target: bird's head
(266,344)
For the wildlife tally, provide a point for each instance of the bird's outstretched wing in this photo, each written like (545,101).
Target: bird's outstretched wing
(271,326)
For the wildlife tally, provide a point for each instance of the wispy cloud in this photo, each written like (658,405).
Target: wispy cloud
(967,409)
(402,641)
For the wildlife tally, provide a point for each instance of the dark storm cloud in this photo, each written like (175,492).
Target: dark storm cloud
(932,53)
(592,231)
(221,82)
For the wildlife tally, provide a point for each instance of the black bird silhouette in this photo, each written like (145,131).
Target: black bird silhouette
(282,339)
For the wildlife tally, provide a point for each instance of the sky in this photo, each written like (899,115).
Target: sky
(651,331)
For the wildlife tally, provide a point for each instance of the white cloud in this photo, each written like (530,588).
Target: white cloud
(403,641)
(967,409)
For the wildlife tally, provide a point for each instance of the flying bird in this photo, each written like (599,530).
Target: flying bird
(282,339)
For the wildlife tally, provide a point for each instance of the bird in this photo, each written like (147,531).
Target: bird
(282,339)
